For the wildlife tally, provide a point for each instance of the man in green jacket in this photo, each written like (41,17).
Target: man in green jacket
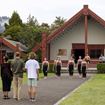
(17,69)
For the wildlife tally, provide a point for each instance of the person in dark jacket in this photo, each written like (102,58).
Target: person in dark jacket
(17,69)
(6,77)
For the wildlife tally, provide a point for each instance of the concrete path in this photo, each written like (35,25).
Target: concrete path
(49,91)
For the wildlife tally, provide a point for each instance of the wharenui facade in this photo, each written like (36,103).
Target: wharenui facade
(83,33)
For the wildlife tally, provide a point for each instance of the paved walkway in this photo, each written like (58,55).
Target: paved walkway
(49,91)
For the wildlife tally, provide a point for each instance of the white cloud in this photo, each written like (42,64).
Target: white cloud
(47,10)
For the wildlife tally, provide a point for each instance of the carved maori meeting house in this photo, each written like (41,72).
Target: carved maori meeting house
(83,33)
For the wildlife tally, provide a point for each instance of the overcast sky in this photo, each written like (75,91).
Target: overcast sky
(47,10)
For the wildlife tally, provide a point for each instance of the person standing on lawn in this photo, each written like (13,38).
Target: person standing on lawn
(32,67)
(17,69)
(6,77)
(70,66)
(45,67)
(84,68)
(79,67)
(58,67)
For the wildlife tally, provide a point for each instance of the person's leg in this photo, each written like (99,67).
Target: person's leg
(34,89)
(5,94)
(19,87)
(8,87)
(15,87)
(45,74)
(29,88)
(84,72)
(30,92)
(4,87)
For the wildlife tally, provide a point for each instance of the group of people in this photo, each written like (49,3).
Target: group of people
(14,72)
(81,66)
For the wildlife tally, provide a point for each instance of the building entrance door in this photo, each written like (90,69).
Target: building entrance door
(77,53)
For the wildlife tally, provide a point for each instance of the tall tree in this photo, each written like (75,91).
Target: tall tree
(15,19)
(45,28)
(14,26)
(59,21)
(32,21)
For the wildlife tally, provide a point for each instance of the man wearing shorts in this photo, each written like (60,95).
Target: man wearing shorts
(32,67)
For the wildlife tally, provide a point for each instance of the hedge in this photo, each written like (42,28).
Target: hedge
(101,68)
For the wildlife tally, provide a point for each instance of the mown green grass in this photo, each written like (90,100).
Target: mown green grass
(90,93)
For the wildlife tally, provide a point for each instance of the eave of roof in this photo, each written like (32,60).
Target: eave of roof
(12,44)
(70,22)
(5,42)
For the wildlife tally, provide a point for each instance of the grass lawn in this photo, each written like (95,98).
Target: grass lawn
(90,93)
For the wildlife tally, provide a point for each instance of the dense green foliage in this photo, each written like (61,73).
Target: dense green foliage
(101,68)
(14,26)
(29,33)
(59,21)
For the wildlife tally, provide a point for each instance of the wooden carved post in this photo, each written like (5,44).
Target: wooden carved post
(86,45)
(86,28)
(17,48)
(44,45)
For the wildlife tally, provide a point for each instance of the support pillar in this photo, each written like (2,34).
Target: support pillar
(17,48)
(86,28)
(44,46)
(86,31)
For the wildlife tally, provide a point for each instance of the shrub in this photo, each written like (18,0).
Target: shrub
(101,68)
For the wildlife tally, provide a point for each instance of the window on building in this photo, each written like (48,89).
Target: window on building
(95,53)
